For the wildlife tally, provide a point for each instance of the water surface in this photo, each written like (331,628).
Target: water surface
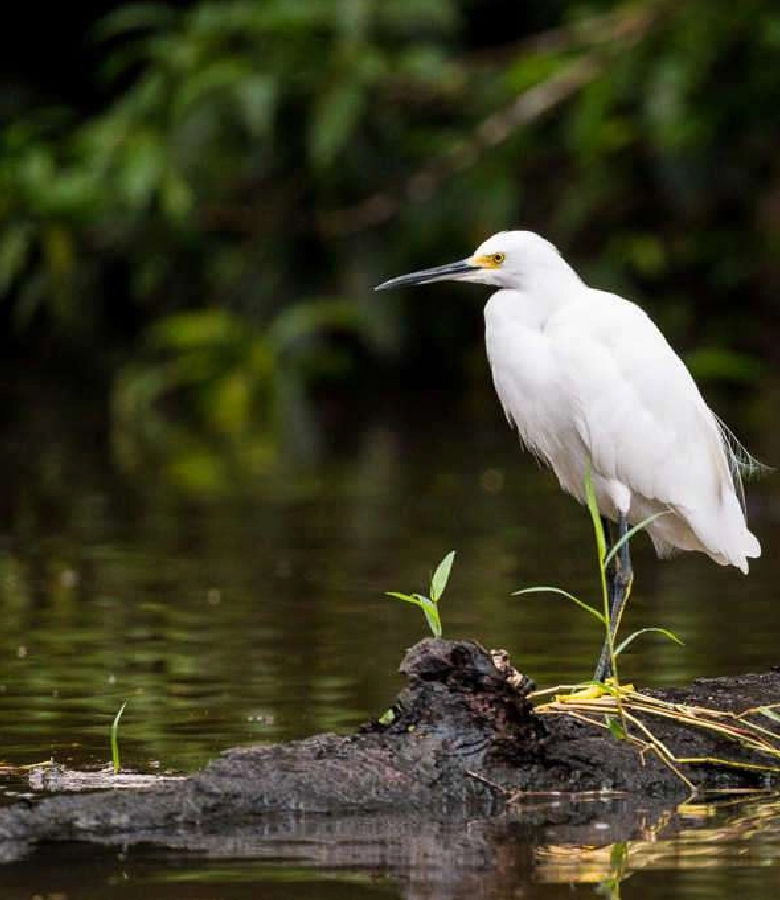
(247,606)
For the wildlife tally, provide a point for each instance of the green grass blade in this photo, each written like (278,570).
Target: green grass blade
(441,576)
(115,738)
(595,515)
(664,631)
(630,533)
(554,590)
(601,549)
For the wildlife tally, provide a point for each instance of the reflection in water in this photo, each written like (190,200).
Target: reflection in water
(545,850)
(722,834)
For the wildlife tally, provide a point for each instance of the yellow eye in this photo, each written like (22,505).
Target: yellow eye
(498,258)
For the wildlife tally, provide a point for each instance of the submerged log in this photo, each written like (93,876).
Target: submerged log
(462,738)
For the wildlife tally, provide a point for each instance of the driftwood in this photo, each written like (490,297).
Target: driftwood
(463,740)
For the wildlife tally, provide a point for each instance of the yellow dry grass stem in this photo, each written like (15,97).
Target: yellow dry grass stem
(609,688)
(597,705)
(6,769)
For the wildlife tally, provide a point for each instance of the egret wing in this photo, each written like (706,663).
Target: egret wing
(638,410)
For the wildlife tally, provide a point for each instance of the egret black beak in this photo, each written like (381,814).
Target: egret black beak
(452,271)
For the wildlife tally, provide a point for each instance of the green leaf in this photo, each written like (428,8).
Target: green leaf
(616,727)
(441,576)
(546,589)
(407,598)
(432,615)
(387,717)
(769,713)
(664,631)
(630,533)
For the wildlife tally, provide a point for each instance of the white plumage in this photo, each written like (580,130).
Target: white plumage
(589,381)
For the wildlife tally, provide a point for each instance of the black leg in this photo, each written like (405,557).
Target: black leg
(619,575)
(603,666)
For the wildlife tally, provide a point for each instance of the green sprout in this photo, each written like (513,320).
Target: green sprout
(430,604)
(604,559)
(115,739)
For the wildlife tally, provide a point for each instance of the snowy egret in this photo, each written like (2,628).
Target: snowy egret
(591,384)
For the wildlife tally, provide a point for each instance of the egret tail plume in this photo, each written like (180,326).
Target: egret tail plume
(743,466)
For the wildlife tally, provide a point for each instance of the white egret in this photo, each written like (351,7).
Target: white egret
(591,384)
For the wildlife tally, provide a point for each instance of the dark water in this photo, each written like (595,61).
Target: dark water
(236,596)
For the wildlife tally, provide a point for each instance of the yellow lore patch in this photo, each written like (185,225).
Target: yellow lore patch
(489,260)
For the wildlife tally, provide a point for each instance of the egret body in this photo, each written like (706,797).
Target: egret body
(591,384)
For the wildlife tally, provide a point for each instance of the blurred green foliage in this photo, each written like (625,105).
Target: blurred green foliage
(262,163)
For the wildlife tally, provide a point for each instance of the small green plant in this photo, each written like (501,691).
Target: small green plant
(430,604)
(115,739)
(618,870)
(605,557)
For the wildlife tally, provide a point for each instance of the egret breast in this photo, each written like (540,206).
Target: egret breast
(531,388)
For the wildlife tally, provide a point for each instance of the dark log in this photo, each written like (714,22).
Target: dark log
(461,739)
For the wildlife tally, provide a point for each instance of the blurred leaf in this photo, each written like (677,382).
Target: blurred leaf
(223,75)
(142,170)
(133,17)
(257,97)
(197,329)
(59,253)
(722,364)
(14,249)
(335,117)
(177,197)
(198,471)
(308,319)
(230,402)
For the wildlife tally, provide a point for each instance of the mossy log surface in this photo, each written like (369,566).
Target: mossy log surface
(461,740)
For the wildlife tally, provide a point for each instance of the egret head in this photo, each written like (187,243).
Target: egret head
(505,260)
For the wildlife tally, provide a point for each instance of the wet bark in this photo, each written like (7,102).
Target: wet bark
(462,739)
